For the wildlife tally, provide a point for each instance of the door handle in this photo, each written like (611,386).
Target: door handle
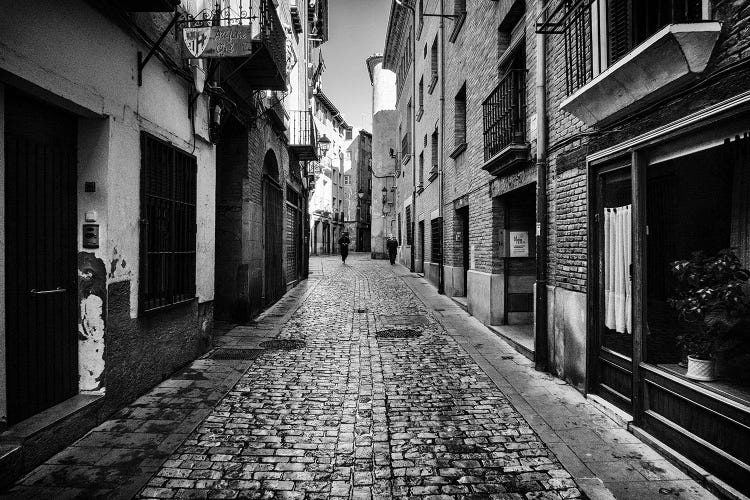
(34,291)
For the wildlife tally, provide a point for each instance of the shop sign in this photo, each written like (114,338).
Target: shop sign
(219,41)
(519,243)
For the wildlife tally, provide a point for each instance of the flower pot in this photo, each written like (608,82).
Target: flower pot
(701,369)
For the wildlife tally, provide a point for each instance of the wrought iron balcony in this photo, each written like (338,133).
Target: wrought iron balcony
(302,135)
(504,114)
(276,113)
(265,68)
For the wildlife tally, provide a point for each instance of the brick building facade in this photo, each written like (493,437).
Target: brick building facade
(631,108)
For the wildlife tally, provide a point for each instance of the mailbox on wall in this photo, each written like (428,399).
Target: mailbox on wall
(91,236)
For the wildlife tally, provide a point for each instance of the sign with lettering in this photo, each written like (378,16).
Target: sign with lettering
(219,41)
(519,243)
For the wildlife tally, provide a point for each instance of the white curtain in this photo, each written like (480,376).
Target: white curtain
(617,260)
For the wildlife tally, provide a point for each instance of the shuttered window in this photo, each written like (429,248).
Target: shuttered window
(435,148)
(436,239)
(460,117)
(168,224)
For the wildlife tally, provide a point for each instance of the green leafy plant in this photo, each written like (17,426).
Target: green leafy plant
(709,293)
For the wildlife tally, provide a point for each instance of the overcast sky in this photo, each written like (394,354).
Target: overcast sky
(356,31)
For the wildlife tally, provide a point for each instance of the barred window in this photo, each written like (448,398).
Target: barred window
(409,234)
(168,224)
(436,239)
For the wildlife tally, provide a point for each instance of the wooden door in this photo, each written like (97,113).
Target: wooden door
(612,373)
(273,213)
(41,256)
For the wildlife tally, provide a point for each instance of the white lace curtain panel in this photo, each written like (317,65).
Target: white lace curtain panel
(617,260)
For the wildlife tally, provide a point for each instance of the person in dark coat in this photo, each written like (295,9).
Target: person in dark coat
(344,246)
(392,245)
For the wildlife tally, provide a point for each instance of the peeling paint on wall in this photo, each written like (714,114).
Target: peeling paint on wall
(92,320)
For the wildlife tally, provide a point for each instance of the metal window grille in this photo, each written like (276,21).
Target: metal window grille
(409,232)
(436,240)
(168,224)
(504,113)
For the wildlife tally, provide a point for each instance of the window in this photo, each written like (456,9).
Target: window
(409,235)
(348,134)
(421,19)
(435,148)
(436,240)
(168,235)
(421,170)
(616,27)
(420,111)
(399,229)
(347,180)
(433,66)
(459,128)
(459,7)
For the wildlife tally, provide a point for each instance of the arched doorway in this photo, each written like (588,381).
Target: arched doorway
(273,225)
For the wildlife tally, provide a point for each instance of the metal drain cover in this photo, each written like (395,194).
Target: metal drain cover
(362,310)
(398,333)
(237,353)
(285,345)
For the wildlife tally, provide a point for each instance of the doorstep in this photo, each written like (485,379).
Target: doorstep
(521,337)
(30,442)
(462,302)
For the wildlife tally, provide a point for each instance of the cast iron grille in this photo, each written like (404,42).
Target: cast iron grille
(168,224)
(504,114)
(283,345)
(436,230)
(398,333)
(237,354)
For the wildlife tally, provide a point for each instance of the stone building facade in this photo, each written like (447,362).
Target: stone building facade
(567,130)
(358,191)
(150,209)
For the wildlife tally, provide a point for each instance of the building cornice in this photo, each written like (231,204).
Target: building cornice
(371,62)
(397,23)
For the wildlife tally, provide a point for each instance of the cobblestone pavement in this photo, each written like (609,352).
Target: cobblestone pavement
(351,415)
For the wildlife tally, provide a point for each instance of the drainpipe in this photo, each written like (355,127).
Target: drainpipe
(441,268)
(413,160)
(540,334)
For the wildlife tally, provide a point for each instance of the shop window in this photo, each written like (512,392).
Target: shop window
(168,216)
(698,204)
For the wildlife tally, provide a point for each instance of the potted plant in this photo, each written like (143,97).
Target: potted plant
(709,294)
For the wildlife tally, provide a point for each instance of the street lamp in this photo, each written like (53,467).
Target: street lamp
(324,143)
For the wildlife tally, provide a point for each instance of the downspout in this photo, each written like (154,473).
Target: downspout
(412,266)
(441,268)
(541,353)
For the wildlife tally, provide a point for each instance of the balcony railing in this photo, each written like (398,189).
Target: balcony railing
(302,135)
(266,67)
(504,113)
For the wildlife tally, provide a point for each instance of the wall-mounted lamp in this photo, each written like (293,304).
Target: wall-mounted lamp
(214,120)
(360,193)
(324,144)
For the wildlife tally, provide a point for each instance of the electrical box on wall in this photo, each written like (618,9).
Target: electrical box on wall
(91,236)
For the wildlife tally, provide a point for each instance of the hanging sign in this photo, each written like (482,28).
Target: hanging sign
(519,243)
(219,41)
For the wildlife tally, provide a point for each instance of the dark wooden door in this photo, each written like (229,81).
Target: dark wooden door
(273,213)
(613,370)
(41,261)
(465,246)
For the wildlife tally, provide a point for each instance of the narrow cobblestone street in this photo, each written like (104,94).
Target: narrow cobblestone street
(344,412)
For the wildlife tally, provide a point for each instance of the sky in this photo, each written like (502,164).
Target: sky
(356,31)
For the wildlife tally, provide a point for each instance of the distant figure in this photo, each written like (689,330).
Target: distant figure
(392,245)
(344,246)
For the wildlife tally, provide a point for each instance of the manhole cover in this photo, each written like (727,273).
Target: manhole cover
(398,333)
(285,345)
(506,357)
(361,310)
(237,354)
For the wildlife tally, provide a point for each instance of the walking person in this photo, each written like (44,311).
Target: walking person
(344,246)
(392,245)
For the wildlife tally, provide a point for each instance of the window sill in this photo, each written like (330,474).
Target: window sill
(458,150)
(670,59)
(433,174)
(457,27)
(433,83)
(405,159)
